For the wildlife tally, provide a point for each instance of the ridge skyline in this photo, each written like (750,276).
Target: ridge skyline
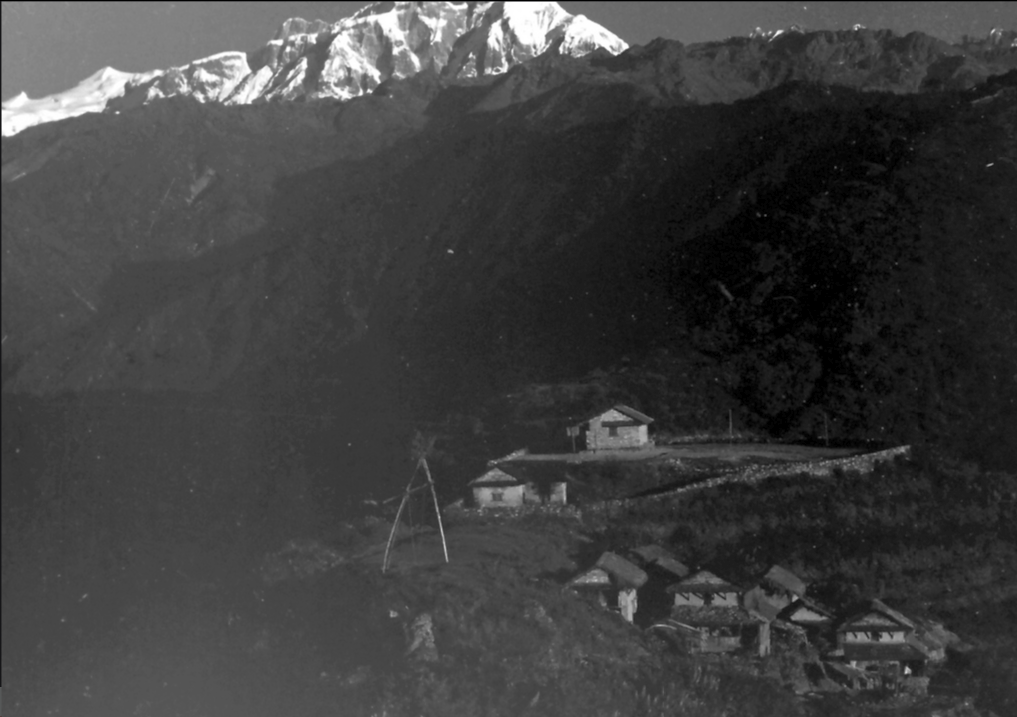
(45,52)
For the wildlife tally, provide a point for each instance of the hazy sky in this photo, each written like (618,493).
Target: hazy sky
(50,46)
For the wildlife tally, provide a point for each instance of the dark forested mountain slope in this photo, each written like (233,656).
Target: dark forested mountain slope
(359,269)
(222,325)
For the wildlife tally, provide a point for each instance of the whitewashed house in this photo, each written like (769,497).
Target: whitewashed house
(500,488)
(618,427)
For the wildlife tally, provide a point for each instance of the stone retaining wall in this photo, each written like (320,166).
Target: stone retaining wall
(458,511)
(863,464)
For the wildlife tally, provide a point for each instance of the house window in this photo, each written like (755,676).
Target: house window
(497,496)
(612,431)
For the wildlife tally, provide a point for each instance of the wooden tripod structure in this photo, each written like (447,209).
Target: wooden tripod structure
(410,490)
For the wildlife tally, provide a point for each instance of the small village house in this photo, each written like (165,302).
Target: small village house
(707,612)
(615,581)
(806,613)
(704,589)
(498,488)
(721,629)
(777,589)
(876,639)
(618,427)
(817,620)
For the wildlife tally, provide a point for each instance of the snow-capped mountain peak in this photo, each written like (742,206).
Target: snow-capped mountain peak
(315,59)
(89,95)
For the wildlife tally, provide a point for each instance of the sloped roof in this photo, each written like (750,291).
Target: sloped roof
(670,565)
(932,638)
(649,553)
(886,609)
(786,579)
(623,409)
(595,577)
(802,604)
(754,601)
(495,477)
(655,556)
(622,572)
(630,412)
(881,652)
(876,615)
(702,582)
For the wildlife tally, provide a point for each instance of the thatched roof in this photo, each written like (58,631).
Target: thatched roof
(877,615)
(702,582)
(622,572)
(754,601)
(672,566)
(496,477)
(785,579)
(595,578)
(648,553)
(791,612)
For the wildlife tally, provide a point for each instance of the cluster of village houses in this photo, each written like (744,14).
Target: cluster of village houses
(870,647)
(874,646)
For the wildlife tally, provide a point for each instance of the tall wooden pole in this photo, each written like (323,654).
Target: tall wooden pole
(395,525)
(437,509)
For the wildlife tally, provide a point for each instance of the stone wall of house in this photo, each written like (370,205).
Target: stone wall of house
(488,496)
(599,437)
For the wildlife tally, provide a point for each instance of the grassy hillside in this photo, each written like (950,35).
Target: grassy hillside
(313,627)
(935,539)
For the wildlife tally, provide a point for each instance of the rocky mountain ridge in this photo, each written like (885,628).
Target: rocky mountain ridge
(308,60)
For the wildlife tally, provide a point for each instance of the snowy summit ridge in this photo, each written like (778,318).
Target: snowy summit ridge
(315,59)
